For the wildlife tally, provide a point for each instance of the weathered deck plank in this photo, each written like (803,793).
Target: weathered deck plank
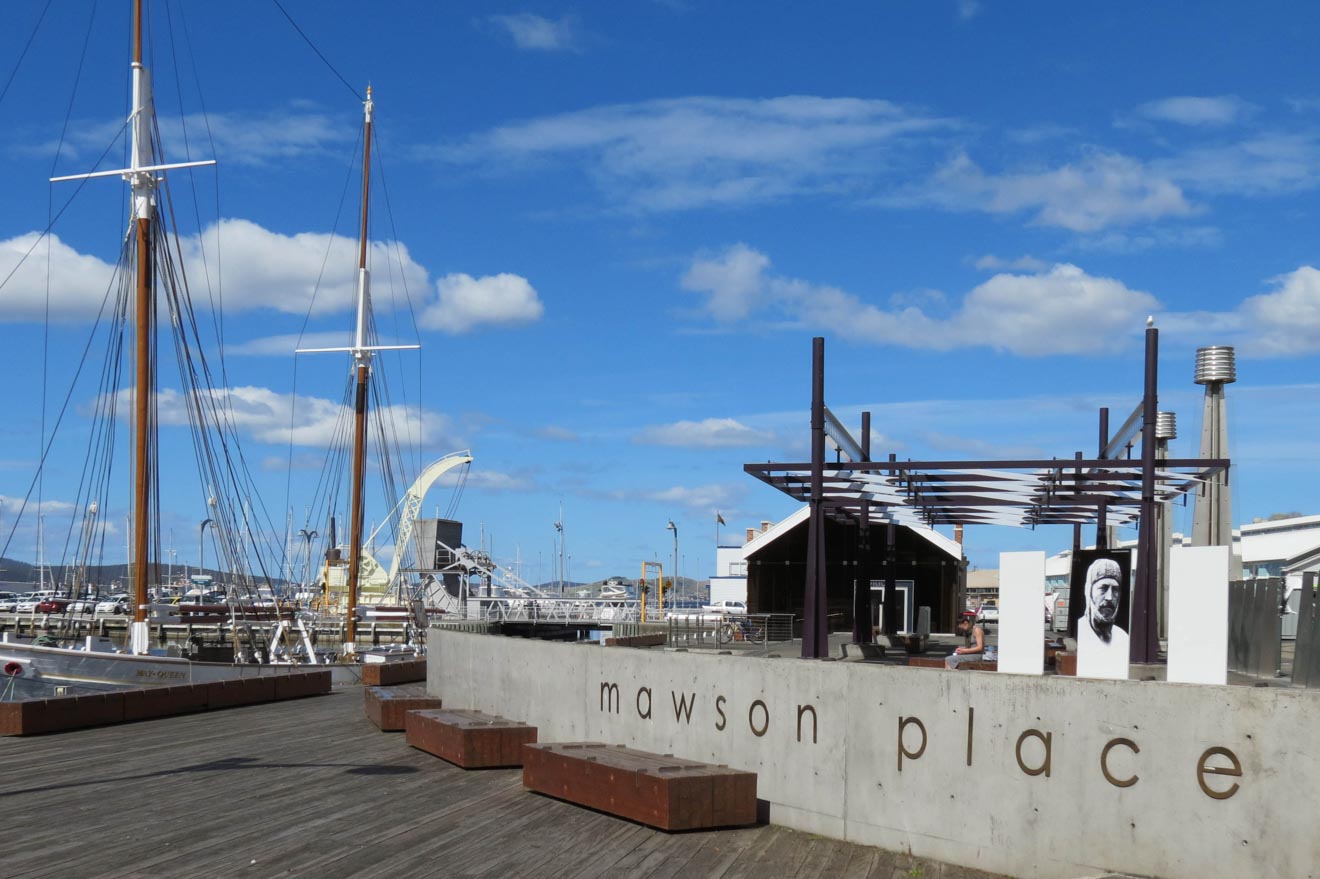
(311,788)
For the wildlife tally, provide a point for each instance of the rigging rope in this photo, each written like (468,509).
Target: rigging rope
(318,52)
(23,54)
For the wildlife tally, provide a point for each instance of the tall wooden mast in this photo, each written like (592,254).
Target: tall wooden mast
(362,355)
(363,352)
(144,202)
(141,177)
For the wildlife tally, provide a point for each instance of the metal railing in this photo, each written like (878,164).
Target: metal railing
(552,610)
(728,630)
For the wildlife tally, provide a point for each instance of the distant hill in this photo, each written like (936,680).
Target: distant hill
(686,585)
(13,571)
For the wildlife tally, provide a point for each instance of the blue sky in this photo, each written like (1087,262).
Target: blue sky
(623,223)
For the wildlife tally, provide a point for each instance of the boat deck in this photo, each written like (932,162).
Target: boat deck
(312,788)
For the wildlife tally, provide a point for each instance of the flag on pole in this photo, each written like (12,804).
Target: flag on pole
(719,518)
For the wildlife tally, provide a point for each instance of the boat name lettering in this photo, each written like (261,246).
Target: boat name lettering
(161,675)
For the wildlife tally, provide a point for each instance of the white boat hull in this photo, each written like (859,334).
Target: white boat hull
(84,670)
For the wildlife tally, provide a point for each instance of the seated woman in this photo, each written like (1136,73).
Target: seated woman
(973,641)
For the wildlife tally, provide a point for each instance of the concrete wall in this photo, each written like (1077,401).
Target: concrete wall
(995,771)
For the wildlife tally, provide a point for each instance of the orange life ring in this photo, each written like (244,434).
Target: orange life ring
(14,669)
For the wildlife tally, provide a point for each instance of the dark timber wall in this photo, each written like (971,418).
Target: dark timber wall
(776,575)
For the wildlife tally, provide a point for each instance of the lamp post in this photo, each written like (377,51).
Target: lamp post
(674,528)
(308,537)
(201,546)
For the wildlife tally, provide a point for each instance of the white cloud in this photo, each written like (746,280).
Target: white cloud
(262,269)
(268,416)
(493,480)
(536,32)
(1102,189)
(265,270)
(249,138)
(11,506)
(286,345)
(1265,164)
(700,498)
(1221,110)
(1062,310)
(554,432)
(992,263)
(732,281)
(968,9)
(1287,321)
(681,153)
(1130,241)
(465,302)
(77,283)
(711,433)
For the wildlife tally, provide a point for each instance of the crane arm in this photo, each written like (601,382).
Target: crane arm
(412,502)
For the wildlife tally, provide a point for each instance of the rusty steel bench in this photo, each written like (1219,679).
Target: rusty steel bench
(471,739)
(61,713)
(658,790)
(386,706)
(383,674)
(938,662)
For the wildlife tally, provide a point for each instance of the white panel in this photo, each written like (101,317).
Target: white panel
(1022,612)
(1198,614)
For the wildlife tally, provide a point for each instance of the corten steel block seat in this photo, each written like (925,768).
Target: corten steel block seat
(386,706)
(383,674)
(471,739)
(654,789)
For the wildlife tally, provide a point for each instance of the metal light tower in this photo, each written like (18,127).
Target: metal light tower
(1212,523)
(674,528)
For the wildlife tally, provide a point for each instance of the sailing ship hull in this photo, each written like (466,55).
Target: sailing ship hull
(90,670)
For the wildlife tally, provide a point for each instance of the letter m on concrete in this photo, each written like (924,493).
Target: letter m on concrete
(609,697)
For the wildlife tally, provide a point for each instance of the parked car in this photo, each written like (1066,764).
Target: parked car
(113,604)
(82,605)
(8,601)
(53,605)
(27,603)
(989,612)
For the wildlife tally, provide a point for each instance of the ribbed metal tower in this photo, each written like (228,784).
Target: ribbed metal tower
(1166,429)
(1212,524)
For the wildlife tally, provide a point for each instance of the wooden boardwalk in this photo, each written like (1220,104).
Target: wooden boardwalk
(312,788)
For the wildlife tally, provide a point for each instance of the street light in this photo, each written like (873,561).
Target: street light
(201,546)
(674,528)
(308,536)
